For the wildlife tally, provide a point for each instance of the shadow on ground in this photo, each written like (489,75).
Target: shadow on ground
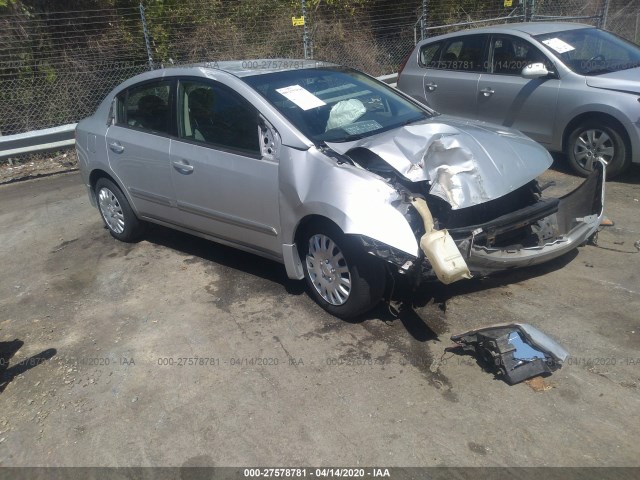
(407,301)
(7,351)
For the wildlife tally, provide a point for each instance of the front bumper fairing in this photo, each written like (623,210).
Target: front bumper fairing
(558,225)
(567,223)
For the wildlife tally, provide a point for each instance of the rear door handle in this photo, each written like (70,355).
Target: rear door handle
(431,86)
(183,166)
(487,92)
(116,147)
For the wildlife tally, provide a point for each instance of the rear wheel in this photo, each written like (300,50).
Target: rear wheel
(341,278)
(592,141)
(116,212)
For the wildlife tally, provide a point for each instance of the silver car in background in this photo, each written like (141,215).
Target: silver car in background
(341,178)
(573,88)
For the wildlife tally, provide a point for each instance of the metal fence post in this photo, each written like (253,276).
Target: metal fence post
(605,14)
(532,10)
(423,23)
(146,36)
(306,43)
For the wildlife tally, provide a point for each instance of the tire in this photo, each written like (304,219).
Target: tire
(595,139)
(341,278)
(116,212)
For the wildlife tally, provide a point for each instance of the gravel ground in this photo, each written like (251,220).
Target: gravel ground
(103,335)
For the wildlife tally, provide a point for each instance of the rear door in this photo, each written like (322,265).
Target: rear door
(224,186)
(452,73)
(138,146)
(506,98)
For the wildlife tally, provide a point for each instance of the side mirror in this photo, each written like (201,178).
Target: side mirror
(534,70)
(269,139)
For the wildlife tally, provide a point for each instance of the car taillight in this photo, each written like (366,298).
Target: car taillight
(404,62)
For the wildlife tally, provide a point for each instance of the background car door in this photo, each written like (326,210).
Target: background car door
(139,144)
(452,74)
(506,98)
(224,187)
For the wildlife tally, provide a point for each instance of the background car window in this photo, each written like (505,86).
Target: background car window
(590,51)
(511,54)
(465,53)
(214,114)
(429,55)
(146,107)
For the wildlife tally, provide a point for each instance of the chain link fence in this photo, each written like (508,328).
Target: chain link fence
(58,63)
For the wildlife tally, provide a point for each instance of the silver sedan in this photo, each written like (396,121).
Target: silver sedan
(573,88)
(339,177)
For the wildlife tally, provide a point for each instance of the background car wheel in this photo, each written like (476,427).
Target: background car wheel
(116,212)
(593,140)
(342,279)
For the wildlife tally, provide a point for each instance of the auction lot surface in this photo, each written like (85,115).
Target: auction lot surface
(104,371)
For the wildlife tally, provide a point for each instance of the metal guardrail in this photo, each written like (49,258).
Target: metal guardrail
(63,136)
(391,79)
(37,140)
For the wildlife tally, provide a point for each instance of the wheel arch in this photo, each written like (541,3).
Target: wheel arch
(595,116)
(98,173)
(308,220)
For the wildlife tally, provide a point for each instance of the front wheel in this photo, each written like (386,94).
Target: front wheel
(342,279)
(592,141)
(116,212)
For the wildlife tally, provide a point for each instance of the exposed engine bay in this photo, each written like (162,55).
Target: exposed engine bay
(520,220)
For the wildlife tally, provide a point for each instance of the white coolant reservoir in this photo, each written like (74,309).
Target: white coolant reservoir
(440,249)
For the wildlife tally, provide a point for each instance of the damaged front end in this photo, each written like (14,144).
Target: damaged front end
(535,233)
(469,193)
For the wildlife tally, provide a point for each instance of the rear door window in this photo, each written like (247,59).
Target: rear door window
(466,53)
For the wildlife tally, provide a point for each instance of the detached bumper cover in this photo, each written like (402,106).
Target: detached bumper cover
(576,219)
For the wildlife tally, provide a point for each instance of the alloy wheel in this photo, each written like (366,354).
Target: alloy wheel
(593,145)
(328,270)
(111,210)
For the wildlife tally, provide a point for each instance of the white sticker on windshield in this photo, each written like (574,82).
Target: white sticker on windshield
(558,45)
(301,97)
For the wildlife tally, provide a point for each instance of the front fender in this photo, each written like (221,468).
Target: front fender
(356,200)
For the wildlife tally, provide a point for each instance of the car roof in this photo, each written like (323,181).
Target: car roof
(261,66)
(235,68)
(530,28)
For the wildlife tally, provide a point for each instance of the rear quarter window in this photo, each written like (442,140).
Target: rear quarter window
(429,55)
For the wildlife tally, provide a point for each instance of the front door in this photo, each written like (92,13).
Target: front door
(224,186)
(506,98)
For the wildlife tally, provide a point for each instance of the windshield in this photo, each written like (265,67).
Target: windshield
(335,104)
(589,51)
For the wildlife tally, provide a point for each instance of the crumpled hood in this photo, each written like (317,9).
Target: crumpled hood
(466,163)
(622,81)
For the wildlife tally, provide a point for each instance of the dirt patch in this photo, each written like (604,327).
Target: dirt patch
(37,165)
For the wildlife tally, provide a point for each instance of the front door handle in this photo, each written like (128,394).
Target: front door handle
(487,92)
(183,166)
(431,86)
(116,147)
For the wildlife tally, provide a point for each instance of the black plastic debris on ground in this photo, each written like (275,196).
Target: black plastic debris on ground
(514,352)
